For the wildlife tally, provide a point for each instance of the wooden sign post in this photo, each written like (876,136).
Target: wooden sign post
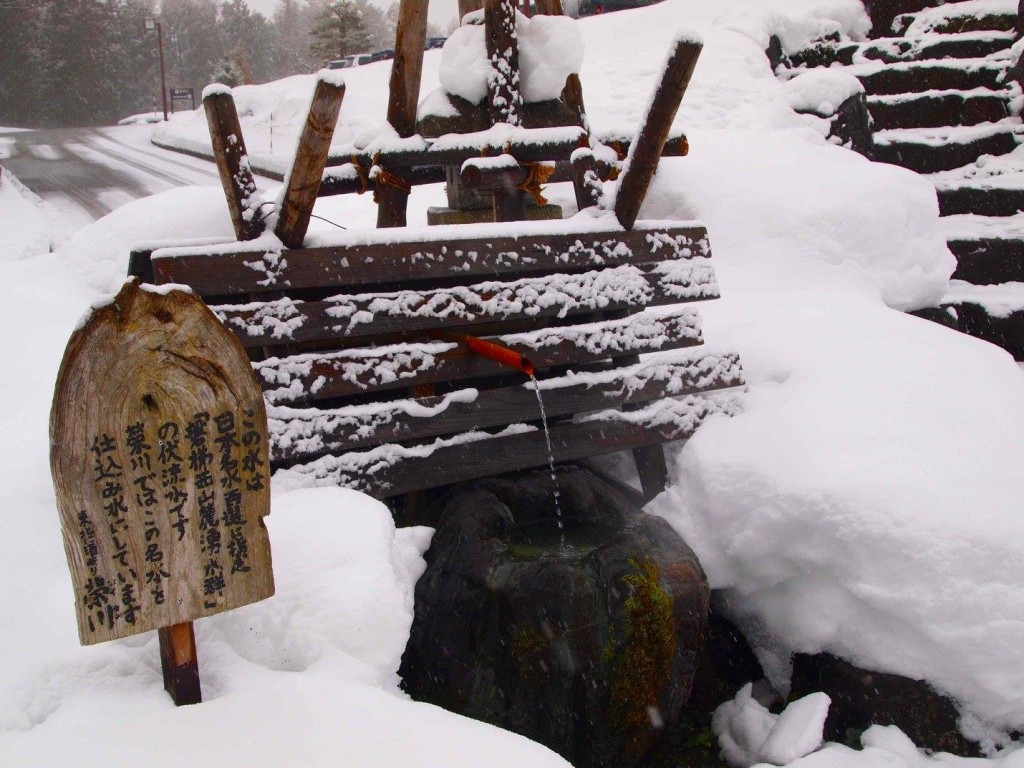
(159,456)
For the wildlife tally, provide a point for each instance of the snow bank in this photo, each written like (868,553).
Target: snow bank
(28,226)
(750,734)
(821,90)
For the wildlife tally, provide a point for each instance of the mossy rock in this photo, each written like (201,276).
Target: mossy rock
(583,637)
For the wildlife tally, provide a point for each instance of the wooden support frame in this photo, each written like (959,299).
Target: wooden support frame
(642,162)
(179,662)
(310,161)
(233,163)
(504,97)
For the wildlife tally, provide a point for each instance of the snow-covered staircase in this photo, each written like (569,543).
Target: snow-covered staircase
(944,104)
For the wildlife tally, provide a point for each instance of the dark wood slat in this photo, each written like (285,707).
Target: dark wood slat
(390,470)
(527,145)
(307,378)
(303,434)
(264,324)
(505,99)
(225,270)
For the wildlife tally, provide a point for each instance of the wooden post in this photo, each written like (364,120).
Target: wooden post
(505,100)
(233,162)
(180,663)
(468,6)
(585,179)
(406,71)
(642,162)
(310,160)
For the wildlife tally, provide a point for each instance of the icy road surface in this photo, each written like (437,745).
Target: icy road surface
(85,173)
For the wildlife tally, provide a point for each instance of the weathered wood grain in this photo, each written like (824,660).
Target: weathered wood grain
(233,165)
(650,142)
(304,434)
(307,378)
(504,97)
(158,450)
(310,161)
(538,248)
(460,308)
(390,470)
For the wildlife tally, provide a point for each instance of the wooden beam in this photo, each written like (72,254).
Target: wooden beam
(539,247)
(458,461)
(262,325)
(642,162)
(468,6)
(233,163)
(406,71)
(346,429)
(504,97)
(310,377)
(310,160)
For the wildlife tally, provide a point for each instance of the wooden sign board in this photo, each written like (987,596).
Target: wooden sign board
(159,455)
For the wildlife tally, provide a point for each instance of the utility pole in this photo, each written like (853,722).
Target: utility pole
(151,24)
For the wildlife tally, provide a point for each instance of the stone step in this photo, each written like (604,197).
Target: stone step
(965,45)
(930,150)
(988,261)
(918,77)
(994,313)
(956,18)
(938,108)
(988,187)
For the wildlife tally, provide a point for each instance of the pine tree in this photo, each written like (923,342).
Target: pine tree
(339,30)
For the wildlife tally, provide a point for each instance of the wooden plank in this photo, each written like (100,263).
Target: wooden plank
(159,457)
(427,166)
(370,315)
(423,254)
(390,470)
(233,163)
(504,97)
(406,70)
(646,151)
(310,160)
(303,434)
(306,378)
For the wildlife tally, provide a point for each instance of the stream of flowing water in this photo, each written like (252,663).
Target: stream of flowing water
(551,458)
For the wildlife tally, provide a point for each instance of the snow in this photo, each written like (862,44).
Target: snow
(928,19)
(866,502)
(749,733)
(28,226)
(1000,300)
(821,90)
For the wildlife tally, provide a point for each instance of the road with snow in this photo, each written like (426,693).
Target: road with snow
(85,173)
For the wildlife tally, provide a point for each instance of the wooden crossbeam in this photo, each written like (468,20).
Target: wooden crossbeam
(304,434)
(390,470)
(310,377)
(368,315)
(423,254)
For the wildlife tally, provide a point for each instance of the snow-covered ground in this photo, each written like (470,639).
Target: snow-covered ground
(866,503)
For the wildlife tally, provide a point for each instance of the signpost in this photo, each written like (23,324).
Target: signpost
(159,456)
(182,94)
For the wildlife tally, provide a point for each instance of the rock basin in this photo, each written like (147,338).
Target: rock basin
(583,637)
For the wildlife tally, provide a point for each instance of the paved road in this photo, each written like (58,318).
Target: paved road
(87,172)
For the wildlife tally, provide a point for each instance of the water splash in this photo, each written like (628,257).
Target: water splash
(551,459)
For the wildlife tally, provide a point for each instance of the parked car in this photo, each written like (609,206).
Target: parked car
(435,42)
(384,55)
(339,64)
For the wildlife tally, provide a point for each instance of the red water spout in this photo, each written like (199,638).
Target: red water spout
(498,353)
